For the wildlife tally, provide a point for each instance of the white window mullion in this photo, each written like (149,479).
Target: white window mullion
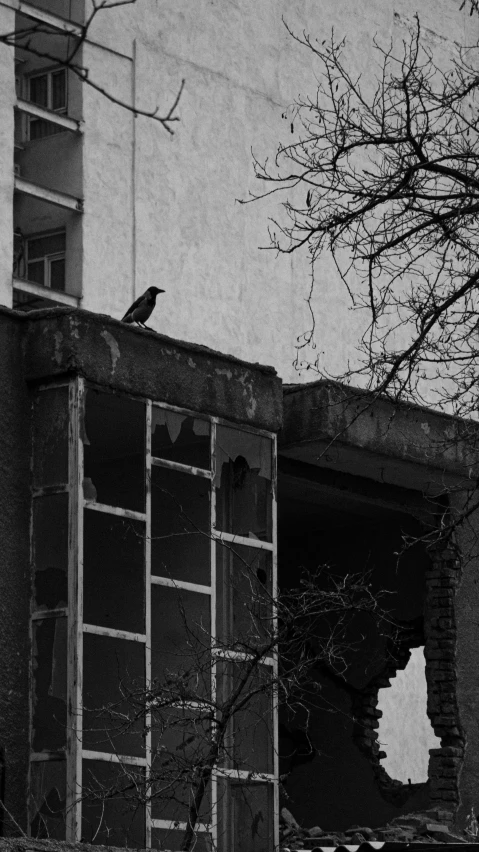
(180,584)
(214,783)
(274,591)
(148,613)
(234,538)
(75,615)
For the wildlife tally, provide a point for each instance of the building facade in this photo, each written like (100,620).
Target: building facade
(155,491)
(139,533)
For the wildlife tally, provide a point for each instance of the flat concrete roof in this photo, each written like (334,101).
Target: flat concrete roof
(60,341)
(334,426)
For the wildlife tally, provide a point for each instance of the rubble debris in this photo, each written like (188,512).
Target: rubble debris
(433,826)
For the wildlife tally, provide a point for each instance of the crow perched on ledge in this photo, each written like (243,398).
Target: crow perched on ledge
(142,308)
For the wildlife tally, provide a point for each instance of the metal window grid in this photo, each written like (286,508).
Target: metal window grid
(75,754)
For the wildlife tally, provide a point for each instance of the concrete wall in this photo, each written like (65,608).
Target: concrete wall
(15,582)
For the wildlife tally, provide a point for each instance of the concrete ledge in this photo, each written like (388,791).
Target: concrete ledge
(61,341)
(331,425)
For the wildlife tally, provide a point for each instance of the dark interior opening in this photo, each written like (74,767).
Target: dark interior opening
(330,771)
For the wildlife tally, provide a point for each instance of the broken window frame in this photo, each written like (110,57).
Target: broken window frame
(78,505)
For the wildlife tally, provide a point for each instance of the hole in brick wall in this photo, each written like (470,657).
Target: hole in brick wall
(405,732)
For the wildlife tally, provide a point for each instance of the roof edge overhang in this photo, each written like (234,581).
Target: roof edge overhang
(331,425)
(67,341)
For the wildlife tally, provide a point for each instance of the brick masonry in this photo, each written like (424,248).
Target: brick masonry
(439,639)
(440,651)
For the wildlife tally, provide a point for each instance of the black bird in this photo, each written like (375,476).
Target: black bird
(142,308)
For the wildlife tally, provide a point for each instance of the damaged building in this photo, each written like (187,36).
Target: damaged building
(158,495)
(150,489)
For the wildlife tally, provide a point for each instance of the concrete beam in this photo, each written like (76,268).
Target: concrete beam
(144,363)
(333,426)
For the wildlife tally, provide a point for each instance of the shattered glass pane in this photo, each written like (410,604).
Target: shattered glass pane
(167,839)
(50,438)
(113,810)
(49,684)
(180,743)
(250,742)
(48,799)
(113,695)
(181,644)
(180,438)
(50,551)
(243,482)
(180,526)
(244,596)
(114,444)
(113,571)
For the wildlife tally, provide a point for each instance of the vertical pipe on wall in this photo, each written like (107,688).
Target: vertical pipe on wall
(133,175)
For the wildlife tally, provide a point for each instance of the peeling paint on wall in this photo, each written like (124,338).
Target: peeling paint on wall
(112,344)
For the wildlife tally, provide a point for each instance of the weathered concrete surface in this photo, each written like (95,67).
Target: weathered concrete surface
(147,364)
(15,586)
(330,425)
(467,671)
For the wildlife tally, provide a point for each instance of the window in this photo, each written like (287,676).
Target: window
(167,597)
(45,260)
(48,90)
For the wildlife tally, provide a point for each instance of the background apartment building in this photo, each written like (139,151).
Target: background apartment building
(97,205)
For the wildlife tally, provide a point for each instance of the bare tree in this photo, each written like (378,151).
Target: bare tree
(210,709)
(68,56)
(385,178)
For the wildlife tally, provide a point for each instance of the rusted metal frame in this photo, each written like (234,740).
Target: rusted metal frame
(180,584)
(148,715)
(114,510)
(182,468)
(243,540)
(41,614)
(114,633)
(108,757)
(75,614)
